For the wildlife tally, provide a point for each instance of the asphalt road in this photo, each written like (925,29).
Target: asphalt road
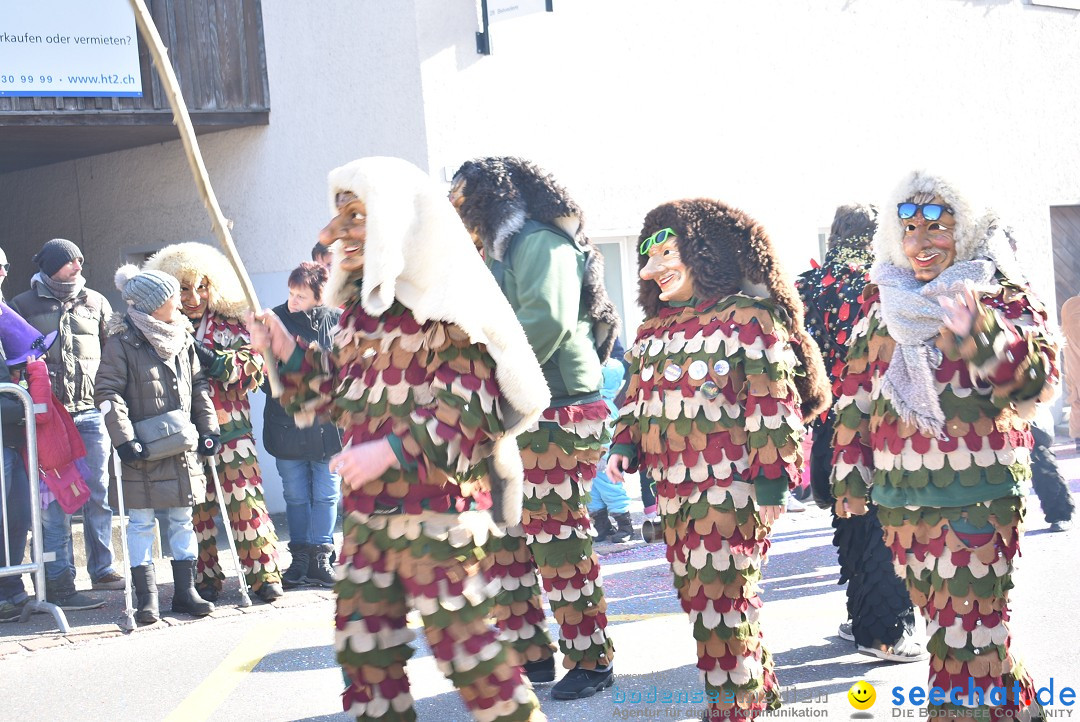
(276,663)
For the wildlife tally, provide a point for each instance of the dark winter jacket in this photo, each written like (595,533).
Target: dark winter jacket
(12,413)
(281,436)
(74,357)
(140,385)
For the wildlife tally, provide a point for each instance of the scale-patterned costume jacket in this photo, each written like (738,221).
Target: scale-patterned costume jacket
(401,369)
(236,372)
(878,603)
(713,415)
(534,242)
(951,507)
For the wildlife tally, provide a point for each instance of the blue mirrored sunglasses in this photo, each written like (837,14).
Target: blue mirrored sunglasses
(656,239)
(930,211)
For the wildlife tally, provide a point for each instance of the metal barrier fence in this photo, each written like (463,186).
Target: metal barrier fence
(36,565)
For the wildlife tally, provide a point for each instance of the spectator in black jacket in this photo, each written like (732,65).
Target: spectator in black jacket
(303,454)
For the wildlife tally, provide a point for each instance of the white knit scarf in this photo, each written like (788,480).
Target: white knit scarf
(914,317)
(167,339)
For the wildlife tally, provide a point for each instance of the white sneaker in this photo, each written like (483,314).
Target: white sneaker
(794,506)
(844,632)
(905,650)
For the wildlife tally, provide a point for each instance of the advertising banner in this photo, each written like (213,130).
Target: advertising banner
(69,48)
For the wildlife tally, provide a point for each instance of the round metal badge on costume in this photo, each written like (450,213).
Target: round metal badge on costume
(710,390)
(721,367)
(673,372)
(698,370)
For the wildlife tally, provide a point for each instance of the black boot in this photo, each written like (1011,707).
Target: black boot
(625,530)
(146,594)
(602,524)
(319,571)
(298,568)
(185,599)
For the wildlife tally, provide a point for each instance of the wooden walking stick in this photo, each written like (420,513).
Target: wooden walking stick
(182,119)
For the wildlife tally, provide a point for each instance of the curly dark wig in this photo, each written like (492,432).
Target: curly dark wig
(501,193)
(710,235)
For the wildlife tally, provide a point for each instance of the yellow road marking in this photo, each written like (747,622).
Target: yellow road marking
(219,684)
(204,700)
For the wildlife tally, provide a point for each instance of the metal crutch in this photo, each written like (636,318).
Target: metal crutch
(227,523)
(128,624)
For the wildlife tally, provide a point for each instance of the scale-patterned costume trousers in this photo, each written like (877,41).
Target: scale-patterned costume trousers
(432,563)
(957,563)
(716,546)
(238,471)
(555,539)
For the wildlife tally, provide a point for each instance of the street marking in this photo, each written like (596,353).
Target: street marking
(219,684)
(642,617)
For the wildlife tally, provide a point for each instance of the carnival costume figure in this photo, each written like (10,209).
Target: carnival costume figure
(430,378)
(532,237)
(947,364)
(722,380)
(880,618)
(213,301)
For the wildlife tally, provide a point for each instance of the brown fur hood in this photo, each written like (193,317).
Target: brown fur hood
(501,193)
(189,262)
(726,250)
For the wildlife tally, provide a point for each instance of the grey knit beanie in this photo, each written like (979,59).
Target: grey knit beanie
(54,254)
(146,291)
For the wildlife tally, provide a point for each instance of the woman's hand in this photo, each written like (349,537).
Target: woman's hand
(357,465)
(959,311)
(267,332)
(616,465)
(770,513)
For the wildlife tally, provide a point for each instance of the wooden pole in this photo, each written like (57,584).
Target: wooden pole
(182,119)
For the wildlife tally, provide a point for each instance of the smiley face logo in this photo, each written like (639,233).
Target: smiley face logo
(862,695)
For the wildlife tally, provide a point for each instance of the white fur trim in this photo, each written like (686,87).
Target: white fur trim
(974,223)
(418,251)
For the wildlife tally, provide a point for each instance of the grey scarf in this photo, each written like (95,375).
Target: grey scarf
(167,339)
(914,318)
(61,290)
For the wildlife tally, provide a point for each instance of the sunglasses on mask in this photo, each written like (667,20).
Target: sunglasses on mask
(930,211)
(656,239)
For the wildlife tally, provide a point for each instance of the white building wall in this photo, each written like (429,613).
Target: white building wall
(783,109)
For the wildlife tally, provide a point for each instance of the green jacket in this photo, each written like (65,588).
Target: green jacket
(74,357)
(542,276)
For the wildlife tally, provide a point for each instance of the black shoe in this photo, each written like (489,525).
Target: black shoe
(270,592)
(1060,525)
(207,593)
(602,524)
(78,601)
(624,530)
(580,683)
(11,611)
(540,671)
(319,571)
(144,584)
(61,592)
(186,599)
(298,568)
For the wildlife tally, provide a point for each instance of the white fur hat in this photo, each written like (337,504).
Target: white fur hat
(418,251)
(977,232)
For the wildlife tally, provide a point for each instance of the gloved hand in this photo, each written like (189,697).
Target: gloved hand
(209,444)
(206,355)
(132,450)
